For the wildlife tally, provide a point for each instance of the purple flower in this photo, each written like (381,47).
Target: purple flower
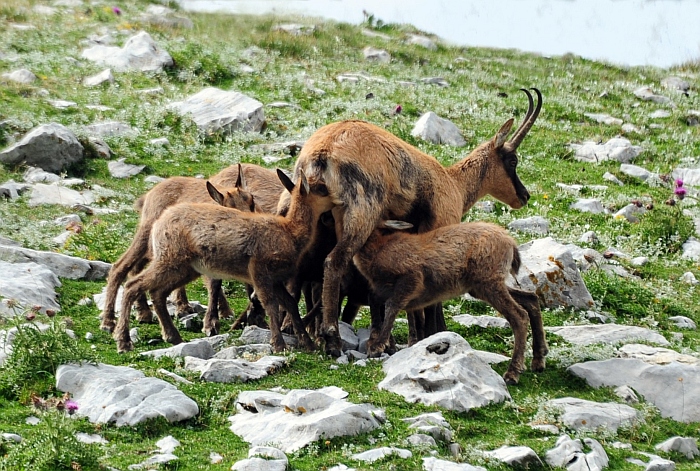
(117,11)
(680,192)
(398,109)
(71,406)
(679,182)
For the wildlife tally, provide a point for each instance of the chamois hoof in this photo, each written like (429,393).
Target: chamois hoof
(511,378)
(278,347)
(173,340)
(146,318)
(108,326)
(537,365)
(123,347)
(211,331)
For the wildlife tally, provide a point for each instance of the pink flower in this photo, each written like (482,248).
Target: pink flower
(679,182)
(680,192)
(71,406)
(398,109)
(117,11)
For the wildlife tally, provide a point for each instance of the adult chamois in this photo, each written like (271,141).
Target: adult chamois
(372,175)
(411,271)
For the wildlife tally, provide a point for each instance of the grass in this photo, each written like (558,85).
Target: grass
(483,93)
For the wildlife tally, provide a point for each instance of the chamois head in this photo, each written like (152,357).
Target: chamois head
(514,194)
(237,197)
(313,196)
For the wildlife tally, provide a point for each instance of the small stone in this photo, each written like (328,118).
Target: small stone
(98,79)
(589,237)
(607,176)
(688,278)
(659,114)
(20,76)
(376,55)
(683,322)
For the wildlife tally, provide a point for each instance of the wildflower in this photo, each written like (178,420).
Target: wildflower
(398,109)
(71,406)
(50,313)
(30,316)
(117,11)
(670,202)
(680,192)
(679,182)
(36,308)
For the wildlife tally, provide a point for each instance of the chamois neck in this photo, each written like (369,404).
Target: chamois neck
(468,176)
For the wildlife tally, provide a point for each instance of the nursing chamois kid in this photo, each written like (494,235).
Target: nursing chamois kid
(372,175)
(410,271)
(264,250)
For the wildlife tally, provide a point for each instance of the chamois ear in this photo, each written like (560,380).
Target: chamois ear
(215,194)
(304,183)
(288,184)
(240,181)
(397,225)
(500,138)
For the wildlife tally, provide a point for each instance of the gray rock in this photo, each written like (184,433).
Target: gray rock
(604,119)
(688,278)
(13,190)
(569,454)
(659,114)
(608,334)
(64,266)
(11,437)
(630,213)
(161,458)
(683,322)
(264,417)
(607,176)
(580,414)
(348,336)
(90,438)
(294,29)
(215,110)
(376,55)
(693,118)
(618,148)
(376,454)
(422,41)
(482,321)
(674,388)
(260,460)
(140,52)
(536,225)
(167,444)
(589,237)
(437,130)
(635,171)
(431,423)
(675,83)
(249,350)
(639,261)
(62,104)
(122,395)
(435,81)
(588,205)
(51,147)
(421,440)
(547,428)
(174,376)
(111,129)
(434,464)
(686,446)
(120,169)
(548,268)
(647,94)
(443,370)
(217,370)
(198,348)
(660,464)
(98,79)
(690,176)
(37,175)
(519,456)
(20,76)
(655,355)
(691,249)
(630,128)
(627,394)
(255,335)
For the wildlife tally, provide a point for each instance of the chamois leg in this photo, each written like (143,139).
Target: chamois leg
(265,290)
(353,228)
(225,311)
(143,310)
(416,326)
(118,273)
(168,331)
(531,304)
(182,304)
(496,293)
(211,317)
(292,307)
(254,313)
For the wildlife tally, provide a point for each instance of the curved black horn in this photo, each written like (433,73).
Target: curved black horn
(529,120)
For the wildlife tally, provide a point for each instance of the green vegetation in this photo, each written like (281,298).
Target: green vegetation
(482,94)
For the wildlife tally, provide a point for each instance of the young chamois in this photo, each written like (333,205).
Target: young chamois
(248,179)
(372,175)
(264,250)
(410,271)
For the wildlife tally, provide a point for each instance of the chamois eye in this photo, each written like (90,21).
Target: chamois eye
(514,163)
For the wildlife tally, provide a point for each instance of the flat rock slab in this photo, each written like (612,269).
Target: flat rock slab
(111,129)
(255,335)
(580,414)
(536,225)
(618,148)
(64,266)
(140,52)
(122,395)
(549,269)
(687,446)
(437,130)
(370,456)
(690,176)
(293,420)
(521,456)
(432,424)
(443,370)
(482,321)
(198,348)
(434,464)
(606,333)
(674,388)
(57,194)
(570,454)
(215,110)
(235,370)
(52,147)
(27,284)
(656,355)
(120,169)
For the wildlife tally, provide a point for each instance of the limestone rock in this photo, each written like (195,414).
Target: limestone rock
(263,458)
(64,266)
(255,335)
(618,148)
(300,417)
(98,79)
(434,464)
(570,454)
(122,395)
(691,249)
(217,370)
(635,171)
(690,176)
(655,355)
(607,334)
(19,76)
(244,351)
(443,370)
(536,225)
(548,268)
(120,169)
(683,322)
(437,130)
(686,446)
(580,414)
(370,456)
(27,284)
(51,147)
(588,205)
(675,83)
(12,190)
(140,52)
(518,456)
(294,29)
(647,94)
(482,321)
(376,55)
(215,110)
(604,119)
(673,388)
(422,41)
(111,129)
(431,423)
(198,348)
